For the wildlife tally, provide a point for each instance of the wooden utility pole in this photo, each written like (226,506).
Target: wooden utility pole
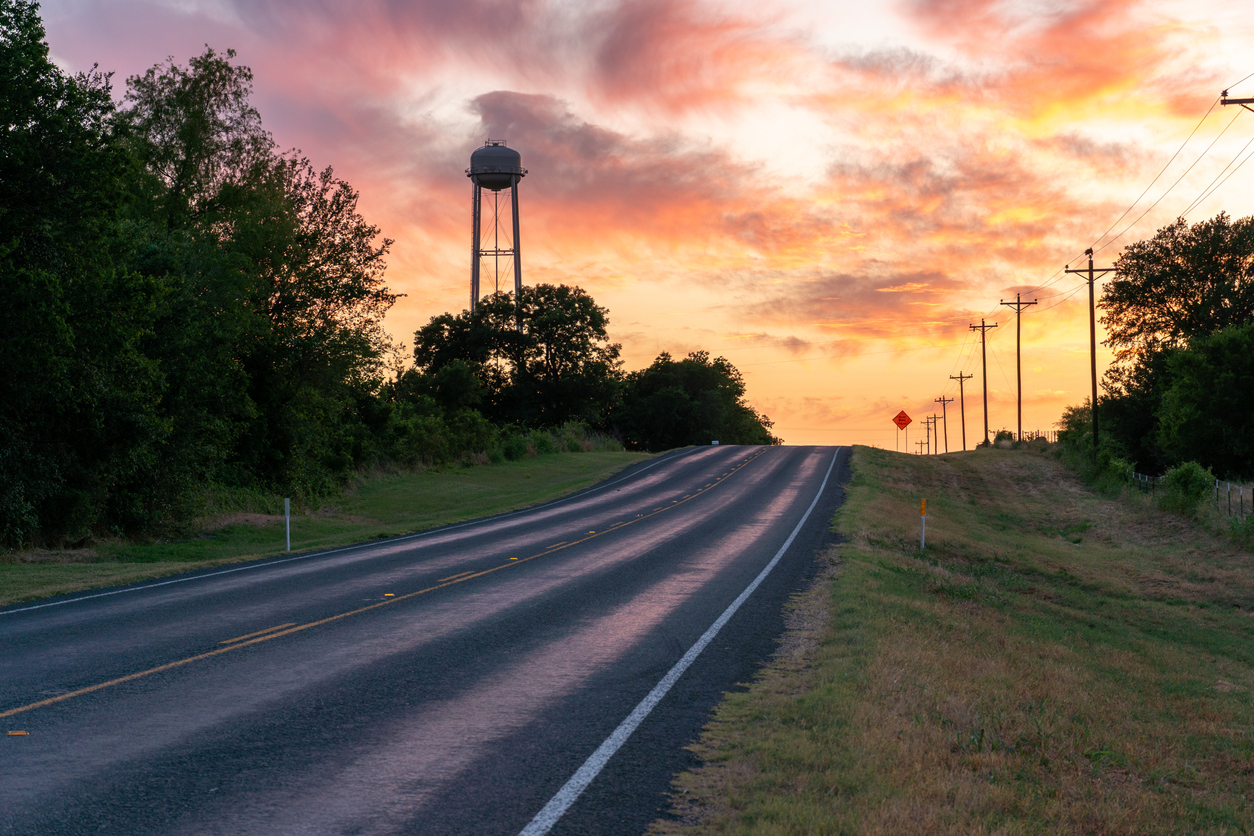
(982,328)
(927,425)
(919,444)
(1018,304)
(942,400)
(1092,277)
(962,405)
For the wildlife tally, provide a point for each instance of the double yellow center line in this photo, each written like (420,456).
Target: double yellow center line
(291,627)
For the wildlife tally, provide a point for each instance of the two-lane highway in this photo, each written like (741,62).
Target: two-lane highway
(541,670)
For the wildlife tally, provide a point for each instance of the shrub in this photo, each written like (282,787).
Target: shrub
(514,448)
(1184,488)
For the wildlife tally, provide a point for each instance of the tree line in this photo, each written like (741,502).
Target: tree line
(184,305)
(1179,314)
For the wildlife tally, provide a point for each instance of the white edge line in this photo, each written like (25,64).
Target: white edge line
(402,538)
(566,796)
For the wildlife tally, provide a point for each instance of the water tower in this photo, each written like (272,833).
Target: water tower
(495,168)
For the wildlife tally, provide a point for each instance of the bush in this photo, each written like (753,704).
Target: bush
(514,448)
(1185,488)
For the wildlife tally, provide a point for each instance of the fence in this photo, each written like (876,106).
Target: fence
(1226,493)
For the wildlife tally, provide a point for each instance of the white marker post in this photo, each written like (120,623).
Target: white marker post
(922,524)
(287,519)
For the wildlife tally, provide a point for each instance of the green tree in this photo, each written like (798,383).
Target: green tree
(1181,285)
(1207,413)
(276,257)
(1184,282)
(195,134)
(78,417)
(540,363)
(692,401)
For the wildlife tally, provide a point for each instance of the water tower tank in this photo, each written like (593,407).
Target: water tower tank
(495,167)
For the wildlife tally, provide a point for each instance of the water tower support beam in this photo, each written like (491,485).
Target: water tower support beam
(474,249)
(517,257)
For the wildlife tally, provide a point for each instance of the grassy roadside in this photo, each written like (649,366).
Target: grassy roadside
(381,506)
(1055,663)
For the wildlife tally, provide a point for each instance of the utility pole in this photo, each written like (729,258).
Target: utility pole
(962,405)
(919,444)
(1018,304)
(942,400)
(1092,276)
(927,425)
(936,432)
(983,329)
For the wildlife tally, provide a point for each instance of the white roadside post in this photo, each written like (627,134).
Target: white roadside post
(922,524)
(287,519)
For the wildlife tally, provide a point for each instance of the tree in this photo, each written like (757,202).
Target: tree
(1169,291)
(1185,282)
(541,362)
(194,131)
(693,401)
(275,255)
(78,415)
(1207,413)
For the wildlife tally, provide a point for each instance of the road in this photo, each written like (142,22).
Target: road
(451,682)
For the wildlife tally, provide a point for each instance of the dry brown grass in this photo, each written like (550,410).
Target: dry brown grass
(1055,663)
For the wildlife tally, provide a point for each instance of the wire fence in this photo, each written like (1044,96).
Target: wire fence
(1230,497)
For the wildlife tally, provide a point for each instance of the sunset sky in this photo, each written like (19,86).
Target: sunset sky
(825,193)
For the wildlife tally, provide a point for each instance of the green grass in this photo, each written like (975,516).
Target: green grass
(1054,663)
(379,506)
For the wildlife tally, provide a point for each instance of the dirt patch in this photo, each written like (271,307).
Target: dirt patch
(241,518)
(85,555)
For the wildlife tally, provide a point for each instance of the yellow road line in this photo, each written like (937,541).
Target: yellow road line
(258,633)
(458,575)
(245,642)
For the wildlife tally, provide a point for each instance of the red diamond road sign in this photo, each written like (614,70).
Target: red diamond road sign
(901,420)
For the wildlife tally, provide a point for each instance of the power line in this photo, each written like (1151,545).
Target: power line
(1161,172)
(1208,191)
(1169,189)
(1230,86)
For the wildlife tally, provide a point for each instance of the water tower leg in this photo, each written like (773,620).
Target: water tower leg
(517,257)
(474,249)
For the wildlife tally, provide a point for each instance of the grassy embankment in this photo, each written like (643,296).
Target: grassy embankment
(1055,663)
(378,506)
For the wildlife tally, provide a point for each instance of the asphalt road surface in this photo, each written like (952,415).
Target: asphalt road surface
(534,672)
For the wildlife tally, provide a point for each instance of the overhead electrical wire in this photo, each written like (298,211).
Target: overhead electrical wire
(1208,191)
(1161,171)
(1150,208)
